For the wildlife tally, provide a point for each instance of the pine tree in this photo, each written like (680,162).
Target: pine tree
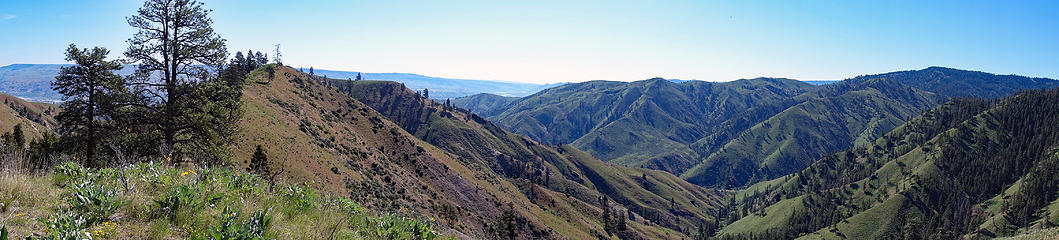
(426,93)
(90,88)
(251,61)
(311,71)
(358,77)
(178,96)
(261,59)
(18,139)
(6,139)
(238,60)
(41,151)
(271,73)
(259,163)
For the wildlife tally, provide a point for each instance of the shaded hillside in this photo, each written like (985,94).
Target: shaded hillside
(484,104)
(348,147)
(824,121)
(971,168)
(36,118)
(639,122)
(739,132)
(651,198)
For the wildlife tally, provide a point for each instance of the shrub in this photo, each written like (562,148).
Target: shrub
(107,176)
(184,200)
(69,172)
(63,225)
(241,183)
(95,202)
(300,198)
(156,177)
(231,229)
(394,227)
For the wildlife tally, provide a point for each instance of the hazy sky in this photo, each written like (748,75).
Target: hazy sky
(560,41)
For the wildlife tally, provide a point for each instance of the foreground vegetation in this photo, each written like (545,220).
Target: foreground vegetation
(153,200)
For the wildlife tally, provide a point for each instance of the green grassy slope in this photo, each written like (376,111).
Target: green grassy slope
(644,123)
(736,133)
(969,168)
(842,115)
(656,199)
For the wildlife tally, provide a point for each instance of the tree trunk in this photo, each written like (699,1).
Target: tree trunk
(90,123)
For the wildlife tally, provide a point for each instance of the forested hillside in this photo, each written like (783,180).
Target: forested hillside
(970,167)
(955,82)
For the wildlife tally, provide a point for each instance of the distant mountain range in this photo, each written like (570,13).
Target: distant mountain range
(442,88)
(33,82)
(819,82)
(732,134)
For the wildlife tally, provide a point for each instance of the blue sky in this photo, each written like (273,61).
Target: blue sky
(571,41)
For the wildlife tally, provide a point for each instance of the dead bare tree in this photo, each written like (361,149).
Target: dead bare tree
(123,163)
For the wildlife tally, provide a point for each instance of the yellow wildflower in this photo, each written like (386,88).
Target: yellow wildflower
(20,214)
(106,229)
